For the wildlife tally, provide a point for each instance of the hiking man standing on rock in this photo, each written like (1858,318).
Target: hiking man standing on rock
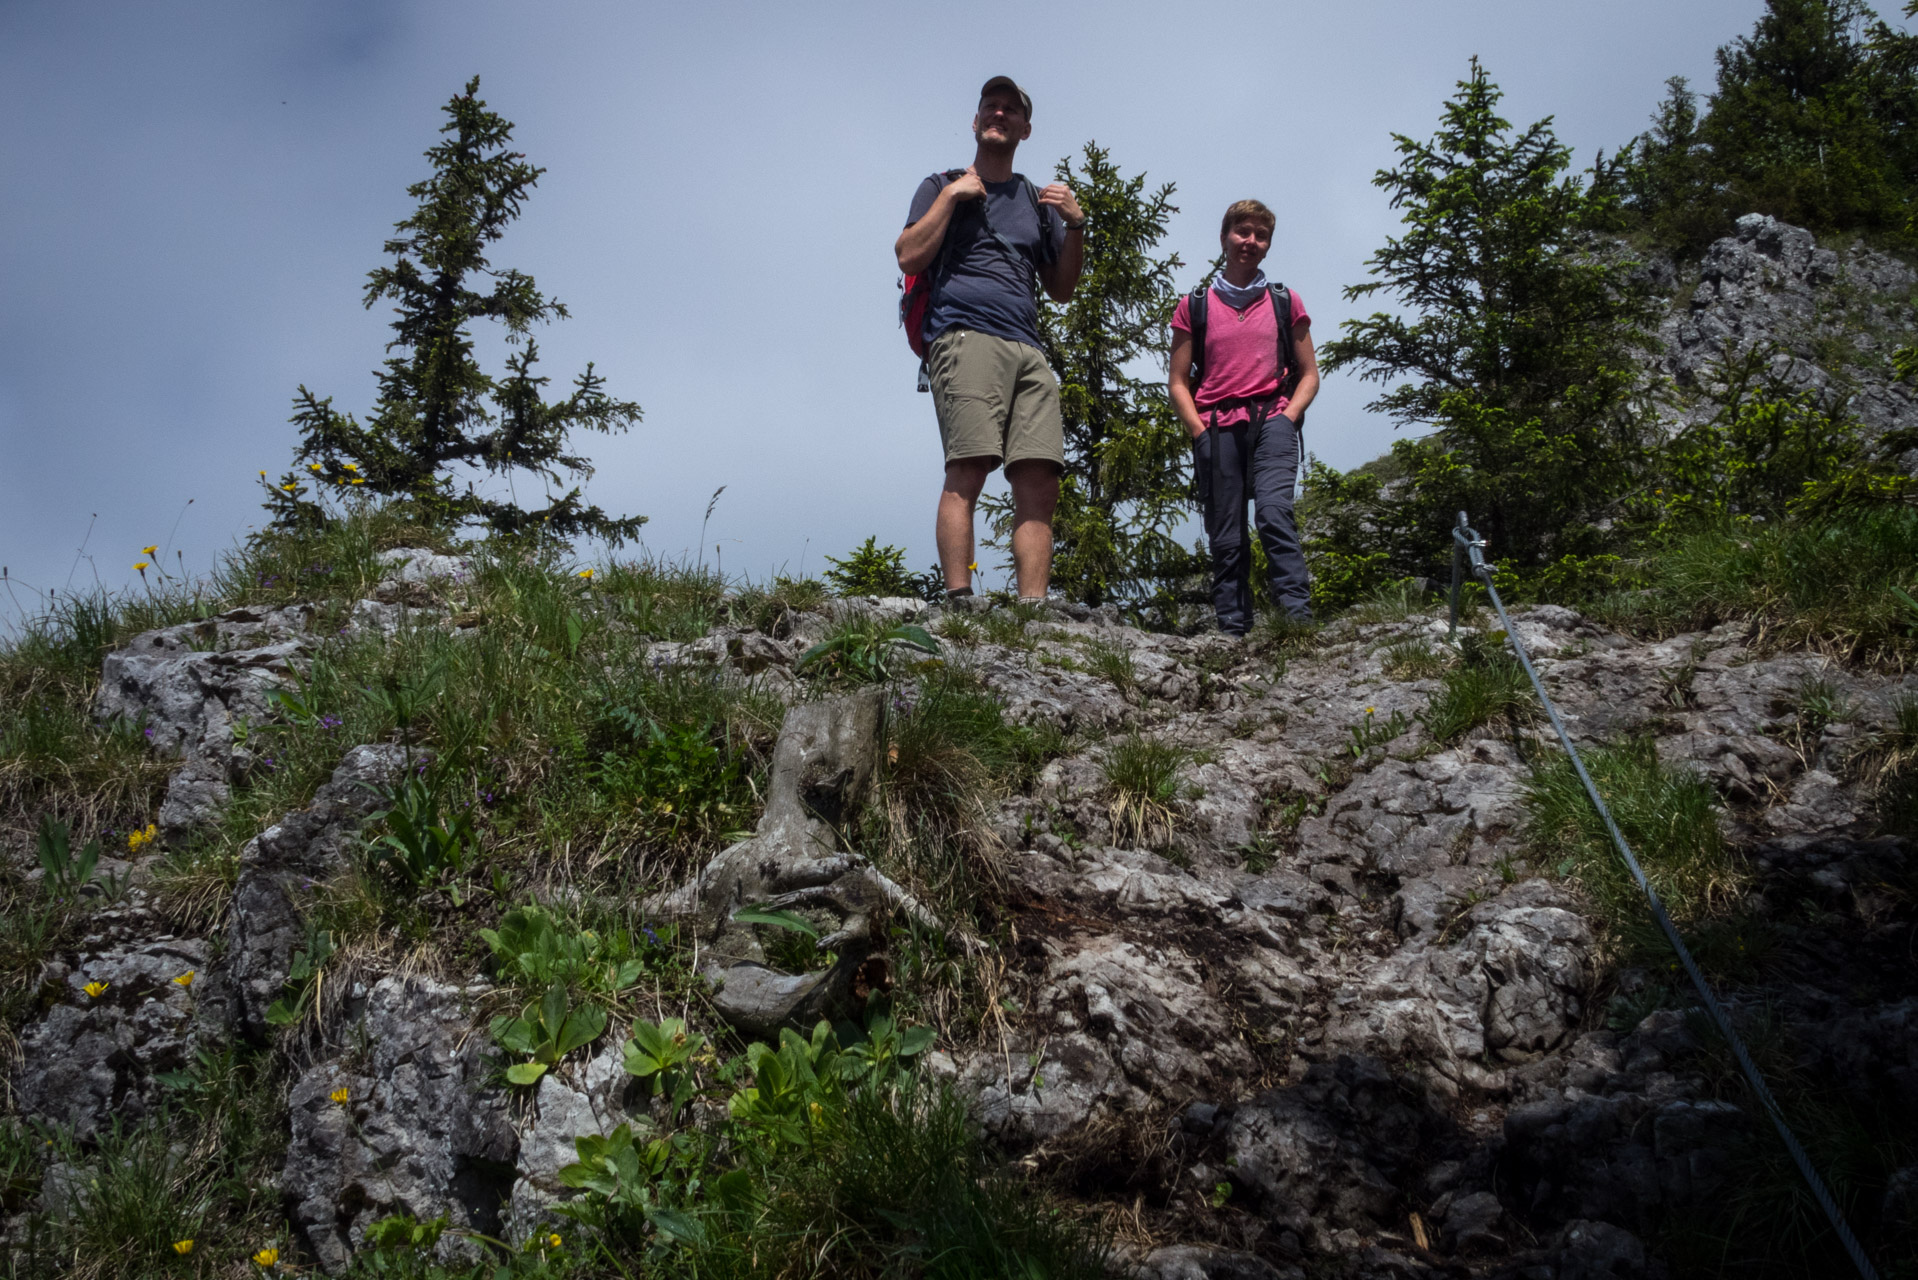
(1240,382)
(976,239)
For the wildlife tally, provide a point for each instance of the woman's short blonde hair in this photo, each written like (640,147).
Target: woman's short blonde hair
(1249,210)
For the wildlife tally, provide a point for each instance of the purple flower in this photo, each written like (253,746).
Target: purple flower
(149,735)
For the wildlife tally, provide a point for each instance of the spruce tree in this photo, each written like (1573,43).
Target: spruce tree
(1517,340)
(1124,490)
(440,418)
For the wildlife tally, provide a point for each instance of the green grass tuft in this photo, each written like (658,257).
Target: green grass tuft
(1669,816)
(1485,684)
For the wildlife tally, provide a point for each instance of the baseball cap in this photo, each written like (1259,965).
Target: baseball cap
(1006,82)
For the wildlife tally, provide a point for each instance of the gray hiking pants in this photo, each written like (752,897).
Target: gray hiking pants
(1259,462)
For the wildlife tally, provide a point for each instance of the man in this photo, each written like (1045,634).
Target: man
(1244,417)
(984,235)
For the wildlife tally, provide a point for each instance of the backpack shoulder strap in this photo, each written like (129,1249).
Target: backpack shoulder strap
(1048,252)
(1288,343)
(1195,317)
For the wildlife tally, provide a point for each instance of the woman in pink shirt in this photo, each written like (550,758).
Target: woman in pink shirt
(1243,399)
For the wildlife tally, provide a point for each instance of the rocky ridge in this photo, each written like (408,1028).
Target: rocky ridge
(1334,1017)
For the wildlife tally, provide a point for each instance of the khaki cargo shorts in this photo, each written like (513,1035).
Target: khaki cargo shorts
(995,399)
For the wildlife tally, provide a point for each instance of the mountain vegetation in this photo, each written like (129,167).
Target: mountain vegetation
(382,937)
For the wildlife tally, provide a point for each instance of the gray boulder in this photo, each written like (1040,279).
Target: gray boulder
(193,688)
(280,868)
(94,1058)
(406,1124)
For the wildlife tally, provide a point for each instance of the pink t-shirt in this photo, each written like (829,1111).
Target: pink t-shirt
(1241,353)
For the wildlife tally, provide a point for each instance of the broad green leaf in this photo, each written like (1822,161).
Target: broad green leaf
(677,1226)
(525,1072)
(582,1026)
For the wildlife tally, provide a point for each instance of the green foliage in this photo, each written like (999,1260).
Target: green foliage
(860,651)
(1668,815)
(833,1159)
(664,1055)
(200,1168)
(1810,121)
(1519,339)
(422,849)
(1374,732)
(1834,581)
(1894,756)
(1124,490)
(675,775)
(1111,660)
(631,1184)
(547,1030)
(1772,451)
(873,570)
(66,872)
(1413,659)
(302,979)
(535,952)
(1486,683)
(438,413)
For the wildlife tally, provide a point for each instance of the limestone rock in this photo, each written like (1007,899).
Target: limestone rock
(279,869)
(95,1058)
(420,1131)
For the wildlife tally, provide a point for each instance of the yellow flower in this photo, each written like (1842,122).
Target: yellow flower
(340,1095)
(267,1257)
(183,1247)
(96,989)
(137,840)
(350,466)
(262,473)
(357,480)
(184,980)
(148,551)
(287,488)
(584,573)
(142,566)
(553,1240)
(315,467)
(973,567)
(816,1109)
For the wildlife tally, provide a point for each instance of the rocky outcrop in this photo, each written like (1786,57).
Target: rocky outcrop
(126,1016)
(281,867)
(193,688)
(1770,287)
(411,1123)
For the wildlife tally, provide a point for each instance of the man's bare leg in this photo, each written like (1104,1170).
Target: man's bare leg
(952,532)
(1035,495)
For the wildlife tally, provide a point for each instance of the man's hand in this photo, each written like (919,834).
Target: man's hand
(1060,197)
(967,186)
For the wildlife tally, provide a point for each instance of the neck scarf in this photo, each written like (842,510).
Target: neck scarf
(1239,296)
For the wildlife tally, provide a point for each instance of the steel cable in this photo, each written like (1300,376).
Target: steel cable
(1467,545)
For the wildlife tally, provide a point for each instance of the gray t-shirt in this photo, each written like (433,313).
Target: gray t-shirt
(977,284)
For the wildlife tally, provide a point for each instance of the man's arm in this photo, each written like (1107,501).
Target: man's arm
(1181,385)
(1308,371)
(1061,276)
(919,243)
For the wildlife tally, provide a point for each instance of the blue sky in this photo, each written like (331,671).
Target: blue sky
(194,193)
